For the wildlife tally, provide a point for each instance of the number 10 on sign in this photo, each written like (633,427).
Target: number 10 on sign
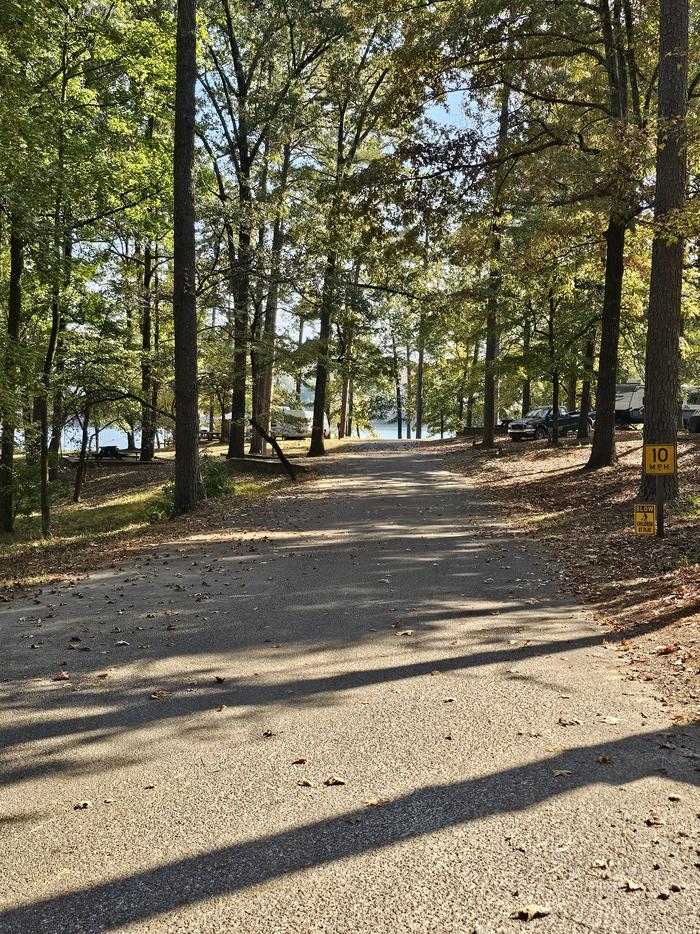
(659,459)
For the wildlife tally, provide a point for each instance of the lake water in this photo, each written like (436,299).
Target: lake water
(109,436)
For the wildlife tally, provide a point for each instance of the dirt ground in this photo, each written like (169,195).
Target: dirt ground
(645,590)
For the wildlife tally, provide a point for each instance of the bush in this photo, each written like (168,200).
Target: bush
(216,477)
(216,481)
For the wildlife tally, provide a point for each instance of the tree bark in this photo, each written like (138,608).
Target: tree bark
(603,446)
(187,473)
(664,321)
(490,377)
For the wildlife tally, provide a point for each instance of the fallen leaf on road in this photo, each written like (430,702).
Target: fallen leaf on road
(407,632)
(611,720)
(300,761)
(375,802)
(219,679)
(561,773)
(305,783)
(448,700)
(121,642)
(632,886)
(152,786)
(569,721)
(604,760)
(667,649)
(221,707)
(654,820)
(435,671)
(82,805)
(62,676)
(334,780)
(158,695)
(530,912)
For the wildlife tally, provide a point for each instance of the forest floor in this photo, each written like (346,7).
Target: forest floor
(371,706)
(645,590)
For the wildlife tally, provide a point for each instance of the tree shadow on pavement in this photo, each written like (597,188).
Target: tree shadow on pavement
(226,870)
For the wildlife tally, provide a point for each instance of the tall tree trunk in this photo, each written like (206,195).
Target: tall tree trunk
(603,446)
(664,322)
(9,411)
(187,475)
(492,328)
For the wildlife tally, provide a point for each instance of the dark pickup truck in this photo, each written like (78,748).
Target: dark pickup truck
(538,423)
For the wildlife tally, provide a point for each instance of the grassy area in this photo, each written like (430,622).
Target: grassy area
(118,511)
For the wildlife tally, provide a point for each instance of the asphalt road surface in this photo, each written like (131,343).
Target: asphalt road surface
(382,629)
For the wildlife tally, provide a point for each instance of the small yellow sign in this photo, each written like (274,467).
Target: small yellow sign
(659,459)
(645,519)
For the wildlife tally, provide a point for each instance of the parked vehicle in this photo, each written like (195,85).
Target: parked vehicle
(694,424)
(538,423)
(293,424)
(629,404)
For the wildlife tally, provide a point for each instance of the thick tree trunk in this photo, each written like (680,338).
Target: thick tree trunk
(603,446)
(187,474)
(664,322)
(9,411)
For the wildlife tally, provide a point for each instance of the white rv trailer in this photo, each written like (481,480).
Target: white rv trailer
(629,403)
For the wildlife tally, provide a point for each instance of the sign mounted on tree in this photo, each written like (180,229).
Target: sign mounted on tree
(659,459)
(645,519)
(659,462)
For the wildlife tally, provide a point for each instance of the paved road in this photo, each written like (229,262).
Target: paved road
(383,628)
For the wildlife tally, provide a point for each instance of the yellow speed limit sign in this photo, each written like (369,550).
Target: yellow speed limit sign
(645,519)
(659,459)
